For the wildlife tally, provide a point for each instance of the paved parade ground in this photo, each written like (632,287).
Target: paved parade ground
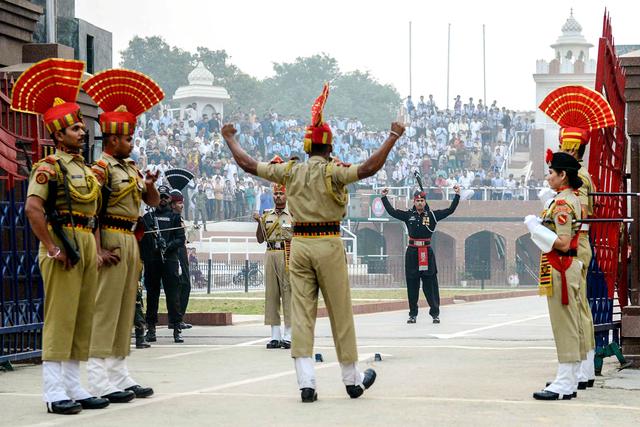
(480,366)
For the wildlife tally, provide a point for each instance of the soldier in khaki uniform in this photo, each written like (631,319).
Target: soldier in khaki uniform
(123,189)
(556,234)
(317,196)
(274,227)
(61,206)
(576,123)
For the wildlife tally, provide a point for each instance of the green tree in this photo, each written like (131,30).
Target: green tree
(167,65)
(358,94)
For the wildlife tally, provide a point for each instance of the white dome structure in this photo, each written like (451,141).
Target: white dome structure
(208,98)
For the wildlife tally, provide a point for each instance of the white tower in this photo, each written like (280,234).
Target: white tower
(571,66)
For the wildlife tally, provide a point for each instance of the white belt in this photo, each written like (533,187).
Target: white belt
(584,227)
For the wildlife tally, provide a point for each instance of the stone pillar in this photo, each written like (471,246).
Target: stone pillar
(631,314)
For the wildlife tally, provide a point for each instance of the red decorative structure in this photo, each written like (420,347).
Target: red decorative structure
(607,161)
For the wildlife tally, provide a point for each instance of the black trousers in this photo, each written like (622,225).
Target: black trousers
(185,289)
(165,274)
(429,280)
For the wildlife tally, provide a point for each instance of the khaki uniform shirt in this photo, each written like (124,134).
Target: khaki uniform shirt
(560,214)
(81,181)
(127,185)
(277,226)
(316,189)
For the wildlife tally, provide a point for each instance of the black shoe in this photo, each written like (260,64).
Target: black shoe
(308,395)
(140,342)
(185,325)
(273,344)
(354,391)
(582,385)
(177,338)
(412,319)
(436,319)
(64,407)
(590,383)
(151,334)
(549,395)
(140,392)
(369,378)
(93,403)
(285,344)
(120,396)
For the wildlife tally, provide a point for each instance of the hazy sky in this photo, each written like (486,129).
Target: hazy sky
(374,36)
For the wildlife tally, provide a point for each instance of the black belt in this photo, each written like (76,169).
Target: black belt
(78,220)
(316,229)
(419,242)
(119,223)
(275,246)
(570,252)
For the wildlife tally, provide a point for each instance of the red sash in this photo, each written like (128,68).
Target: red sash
(562,264)
(423,252)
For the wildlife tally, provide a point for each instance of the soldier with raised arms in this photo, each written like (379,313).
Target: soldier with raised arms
(317,197)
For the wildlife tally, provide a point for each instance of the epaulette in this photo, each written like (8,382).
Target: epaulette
(561,202)
(51,159)
(276,159)
(102,164)
(341,163)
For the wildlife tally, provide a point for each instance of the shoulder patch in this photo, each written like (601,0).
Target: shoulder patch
(561,202)
(51,159)
(102,164)
(43,168)
(562,219)
(42,178)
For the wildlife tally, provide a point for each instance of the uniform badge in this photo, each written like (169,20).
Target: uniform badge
(42,178)
(562,219)
(426,221)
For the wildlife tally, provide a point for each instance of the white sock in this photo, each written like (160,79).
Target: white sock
(98,376)
(305,372)
(119,373)
(53,382)
(275,333)
(71,378)
(350,374)
(565,380)
(287,333)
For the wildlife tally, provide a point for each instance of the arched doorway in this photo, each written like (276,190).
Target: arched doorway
(209,110)
(485,257)
(444,248)
(527,260)
(372,249)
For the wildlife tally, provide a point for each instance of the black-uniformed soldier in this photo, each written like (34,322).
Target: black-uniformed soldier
(420,261)
(138,321)
(160,256)
(184,282)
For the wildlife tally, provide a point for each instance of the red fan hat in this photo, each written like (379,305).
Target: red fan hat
(578,110)
(123,95)
(318,132)
(278,188)
(50,87)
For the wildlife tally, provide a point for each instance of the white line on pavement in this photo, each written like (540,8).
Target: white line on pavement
(136,403)
(484,328)
(222,347)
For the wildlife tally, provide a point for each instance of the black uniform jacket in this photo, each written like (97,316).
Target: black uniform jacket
(420,226)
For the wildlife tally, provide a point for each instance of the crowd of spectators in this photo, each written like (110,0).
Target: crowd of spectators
(466,145)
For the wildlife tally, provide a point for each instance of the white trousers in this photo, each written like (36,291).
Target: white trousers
(307,377)
(119,373)
(587,368)
(98,375)
(52,382)
(287,333)
(566,381)
(275,333)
